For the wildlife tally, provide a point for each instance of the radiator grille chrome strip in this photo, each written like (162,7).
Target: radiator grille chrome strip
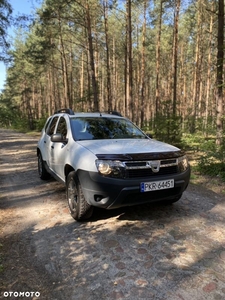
(147,164)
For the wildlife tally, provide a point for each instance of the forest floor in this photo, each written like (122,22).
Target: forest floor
(161,252)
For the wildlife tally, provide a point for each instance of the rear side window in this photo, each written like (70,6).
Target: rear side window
(51,128)
(47,123)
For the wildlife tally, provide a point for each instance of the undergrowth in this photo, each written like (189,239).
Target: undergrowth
(211,160)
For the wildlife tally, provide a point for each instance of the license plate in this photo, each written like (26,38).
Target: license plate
(157,185)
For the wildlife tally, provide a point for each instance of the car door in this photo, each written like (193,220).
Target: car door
(59,149)
(47,141)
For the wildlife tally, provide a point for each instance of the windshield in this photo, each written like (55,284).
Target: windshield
(91,128)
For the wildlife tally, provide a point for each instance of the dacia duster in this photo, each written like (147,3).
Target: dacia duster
(106,161)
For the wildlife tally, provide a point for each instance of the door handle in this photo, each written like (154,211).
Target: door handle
(52,147)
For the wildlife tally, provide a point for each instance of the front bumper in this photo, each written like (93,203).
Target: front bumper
(110,193)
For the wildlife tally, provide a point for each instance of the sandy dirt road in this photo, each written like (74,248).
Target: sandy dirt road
(174,252)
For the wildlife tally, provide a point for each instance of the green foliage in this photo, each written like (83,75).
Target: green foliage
(11,117)
(168,129)
(200,125)
(192,141)
(212,162)
(39,124)
(7,112)
(5,17)
(212,158)
(208,166)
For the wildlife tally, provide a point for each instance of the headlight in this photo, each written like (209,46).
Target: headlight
(183,163)
(113,168)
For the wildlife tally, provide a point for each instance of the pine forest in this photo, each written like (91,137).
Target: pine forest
(157,62)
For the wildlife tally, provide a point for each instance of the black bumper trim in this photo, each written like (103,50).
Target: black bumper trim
(112,193)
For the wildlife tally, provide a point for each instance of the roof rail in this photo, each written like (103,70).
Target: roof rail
(68,111)
(112,112)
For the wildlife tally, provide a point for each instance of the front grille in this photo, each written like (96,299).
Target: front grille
(138,173)
(141,169)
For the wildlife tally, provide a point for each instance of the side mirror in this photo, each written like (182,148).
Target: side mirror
(150,135)
(58,138)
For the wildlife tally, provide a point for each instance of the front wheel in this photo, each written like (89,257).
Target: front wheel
(78,206)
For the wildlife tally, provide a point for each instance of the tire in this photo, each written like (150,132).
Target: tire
(43,174)
(78,206)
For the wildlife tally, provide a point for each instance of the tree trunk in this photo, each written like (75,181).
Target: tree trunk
(219,79)
(196,77)
(82,82)
(67,95)
(115,101)
(208,74)
(130,105)
(91,54)
(143,66)
(108,72)
(158,47)
(175,54)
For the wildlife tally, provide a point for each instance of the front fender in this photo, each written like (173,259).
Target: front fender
(81,158)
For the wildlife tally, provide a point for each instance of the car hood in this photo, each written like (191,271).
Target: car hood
(127,146)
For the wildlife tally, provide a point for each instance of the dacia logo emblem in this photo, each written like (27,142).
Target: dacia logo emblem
(154,165)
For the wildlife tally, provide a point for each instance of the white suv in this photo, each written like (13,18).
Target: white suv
(106,161)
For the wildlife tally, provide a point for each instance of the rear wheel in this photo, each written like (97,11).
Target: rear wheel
(79,208)
(43,174)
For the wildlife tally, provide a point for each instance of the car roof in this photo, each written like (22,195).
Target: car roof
(96,115)
(73,114)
